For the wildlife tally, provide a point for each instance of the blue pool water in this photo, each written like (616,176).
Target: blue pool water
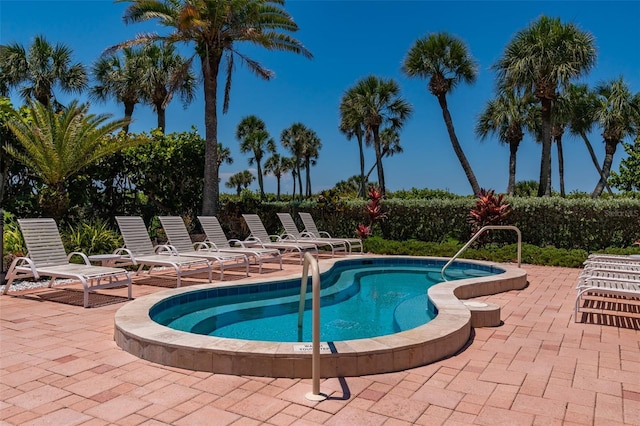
(359,299)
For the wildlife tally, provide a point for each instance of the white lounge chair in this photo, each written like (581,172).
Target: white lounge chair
(291,232)
(607,287)
(261,237)
(181,244)
(47,257)
(215,234)
(624,275)
(138,250)
(311,228)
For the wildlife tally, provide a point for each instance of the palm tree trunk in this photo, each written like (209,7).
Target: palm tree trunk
(609,149)
(307,165)
(376,145)
(260,181)
(161,117)
(560,164)
(466,166)
(544,188)
(278,186)
(210,193)
(594,159)
(363,183)
(299,182)
(513,149)
(128,113)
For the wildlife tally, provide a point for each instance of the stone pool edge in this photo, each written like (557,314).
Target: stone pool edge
(136,333)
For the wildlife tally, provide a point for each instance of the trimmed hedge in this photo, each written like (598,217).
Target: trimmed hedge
(584,224)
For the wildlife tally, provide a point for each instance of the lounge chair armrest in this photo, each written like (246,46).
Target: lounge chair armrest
(82,255)
(306,234)
(285,237)
(166,249)
(232,242)
(253,240)
(325,233)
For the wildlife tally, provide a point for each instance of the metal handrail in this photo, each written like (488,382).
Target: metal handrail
(476,236)
(310,261)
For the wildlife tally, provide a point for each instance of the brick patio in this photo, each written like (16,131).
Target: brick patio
(59,365)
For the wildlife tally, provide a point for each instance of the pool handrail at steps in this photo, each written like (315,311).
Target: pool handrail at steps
(476,236)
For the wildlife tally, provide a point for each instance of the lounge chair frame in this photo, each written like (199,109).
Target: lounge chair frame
(139,250)
(47,257)
(311,229)
(291,232)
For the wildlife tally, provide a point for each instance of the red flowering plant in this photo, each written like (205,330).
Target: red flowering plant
(637,243)
(374,212)
(490,210)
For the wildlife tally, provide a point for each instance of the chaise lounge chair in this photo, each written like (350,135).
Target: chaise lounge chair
(180,243)
(215,235)
(597,286)
(259,236)
(292,233)
(311,228)
(139,250)
(47,257)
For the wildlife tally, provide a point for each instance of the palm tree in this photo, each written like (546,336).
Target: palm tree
(351,124)
(561,116)
(616,111)
(539,60)
(224,155)
(120,79)
(507,116)
(390,141)
(254,138)
(446,62)
(277,166)
(312,146)
(379,103)
(582,102)
(215,27)
(37,71)
(293,139)
(240,180)
(164,74)
(55,146)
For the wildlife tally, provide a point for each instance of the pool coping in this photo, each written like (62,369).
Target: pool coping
(443,336)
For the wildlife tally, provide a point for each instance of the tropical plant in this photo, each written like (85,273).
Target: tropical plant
(616,112)
(91,238)
(224,155)
(508,116)
(120,78)
(240,180)
(309,156)
(539,60)
(38,70)
(489,210)
(254,138)
(277,165)
(376,102)
(164,74)
(55,146)
(628,176)
(215,28)
(446,62)
(373,211)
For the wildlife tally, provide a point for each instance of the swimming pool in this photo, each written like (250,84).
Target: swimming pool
(136,333)
(359,299)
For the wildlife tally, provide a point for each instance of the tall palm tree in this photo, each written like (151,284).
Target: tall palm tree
(508,116)
(540,59)
(616,113)
(56,145)
(351,124)
(390,141)
(561,116)
(38,70)
(164,74)
(293,139)
(311,149)
(581,120)
(446,62)
(215,28)
(379,103)
(240,180)
(120,78)
(277,165)
(254,138)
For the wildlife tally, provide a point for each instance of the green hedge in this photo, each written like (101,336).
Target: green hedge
(584,224)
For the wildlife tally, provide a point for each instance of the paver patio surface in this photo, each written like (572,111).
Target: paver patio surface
(59,365)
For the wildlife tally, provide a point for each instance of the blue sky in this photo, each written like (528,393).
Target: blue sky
(351,40)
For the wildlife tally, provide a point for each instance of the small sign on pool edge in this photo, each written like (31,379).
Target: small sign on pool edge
(308,348)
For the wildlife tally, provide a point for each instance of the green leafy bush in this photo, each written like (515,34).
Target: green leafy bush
(91,238)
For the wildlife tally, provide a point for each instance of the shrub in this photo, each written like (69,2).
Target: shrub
(91,238)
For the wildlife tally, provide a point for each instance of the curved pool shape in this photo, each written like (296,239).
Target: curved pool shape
(359,299)
(443,336)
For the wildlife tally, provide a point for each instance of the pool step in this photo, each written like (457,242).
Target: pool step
(483,314)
